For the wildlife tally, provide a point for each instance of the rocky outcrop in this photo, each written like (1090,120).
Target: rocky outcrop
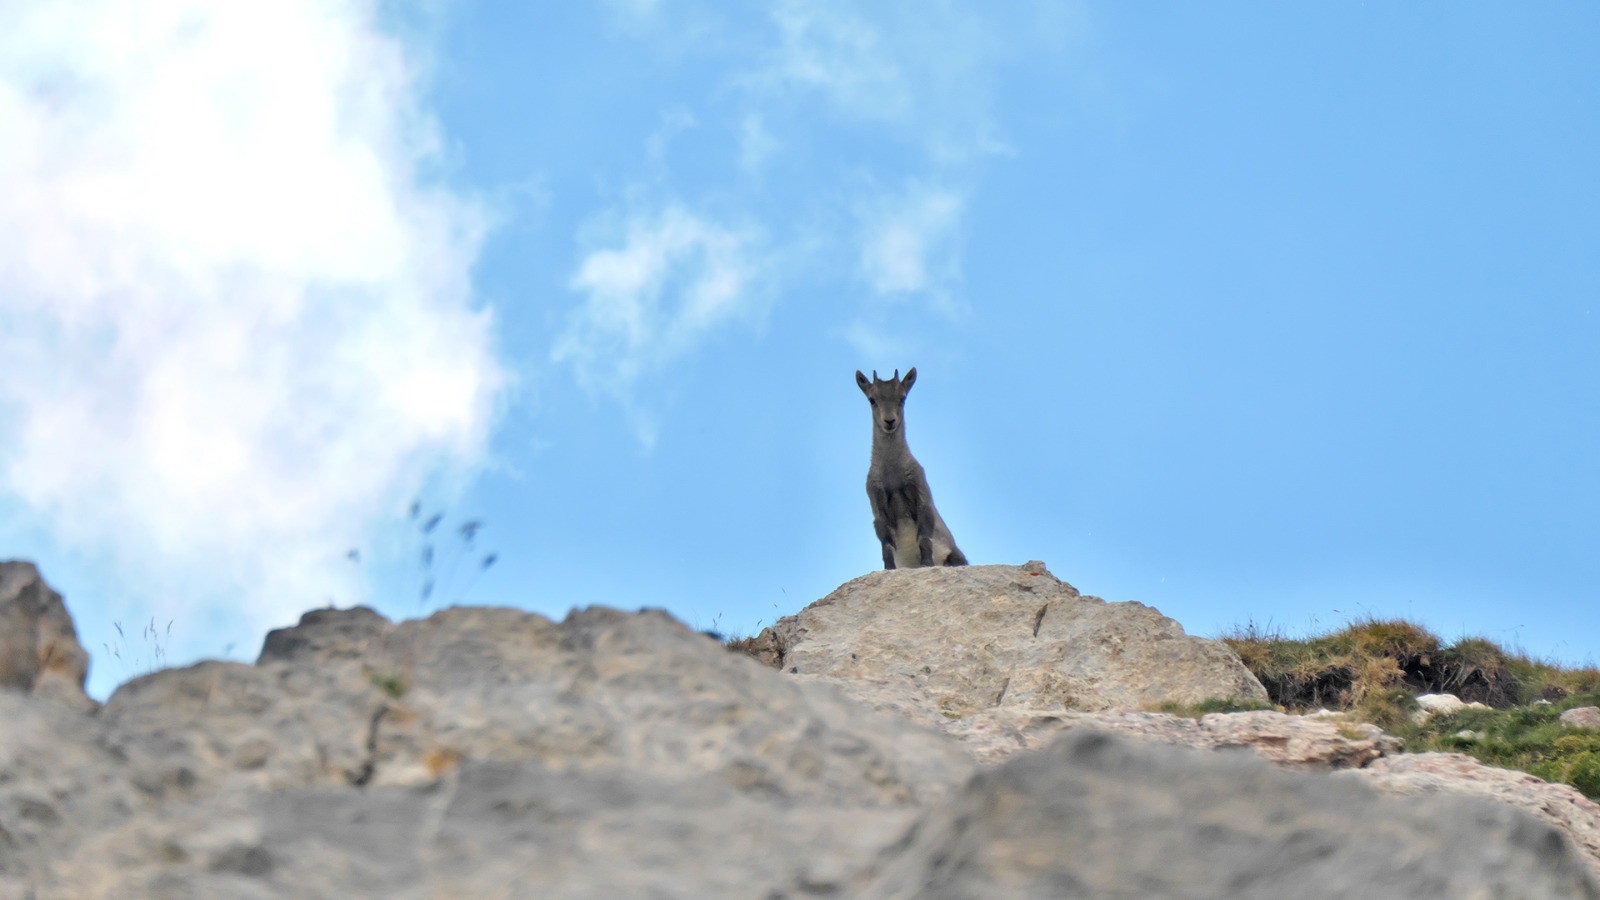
(1095,816)
(39,649)
(492,752)
(1582,717)
(477,751)
(955,649)
(977,637)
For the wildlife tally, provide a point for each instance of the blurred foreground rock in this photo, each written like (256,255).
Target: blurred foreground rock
(1299,742)
(483,752)
(39,649)
(1560,805)
(494,753)
(1096,816)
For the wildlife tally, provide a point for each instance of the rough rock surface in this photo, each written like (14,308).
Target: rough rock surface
(39,649)
(1095,816)
(975,637)
(491,752)
(1299,742)
(480,751)
(1582,717)
(1454,773)
(1430,705)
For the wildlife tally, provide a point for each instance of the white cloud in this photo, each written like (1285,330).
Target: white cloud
(674,122)
(635,11)
(925,70)
(838,52)
(236,315)
(910,243)
(876,342)
(657,286)
(756,144)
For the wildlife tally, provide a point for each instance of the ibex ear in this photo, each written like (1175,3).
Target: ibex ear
(863,383)
(908,381)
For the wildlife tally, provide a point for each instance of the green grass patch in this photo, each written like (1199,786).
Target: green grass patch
(1366,663)
(391,683)
(1374,669)
(1214,705)
(1529,738)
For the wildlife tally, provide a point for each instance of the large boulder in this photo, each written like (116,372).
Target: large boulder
(977,637)
(39,649)
(1096,816)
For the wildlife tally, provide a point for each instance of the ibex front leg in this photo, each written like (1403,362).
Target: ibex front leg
(922,510)
(883,524)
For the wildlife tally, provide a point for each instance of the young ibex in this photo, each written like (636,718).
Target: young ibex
(908,527)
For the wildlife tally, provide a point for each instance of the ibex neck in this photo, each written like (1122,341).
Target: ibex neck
(890,446)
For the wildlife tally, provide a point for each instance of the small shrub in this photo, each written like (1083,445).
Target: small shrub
(1582,771)
(391,683)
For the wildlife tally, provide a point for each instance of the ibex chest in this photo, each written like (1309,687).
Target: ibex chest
(896,491)
(895,472)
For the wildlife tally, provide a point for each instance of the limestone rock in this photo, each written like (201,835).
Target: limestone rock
(479,751)
(606,689)
(492,752)
(975,637)
(1431,705)
(1560,805)
(58,786)
(1582,717)
(1095,816)
(39,649)
(1300,742)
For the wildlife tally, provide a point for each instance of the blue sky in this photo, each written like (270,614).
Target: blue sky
(1250,312)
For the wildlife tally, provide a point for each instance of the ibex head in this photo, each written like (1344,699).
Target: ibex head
(888,398)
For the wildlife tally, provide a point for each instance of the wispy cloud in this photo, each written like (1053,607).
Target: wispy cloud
(927,70)
(910,243)
(756,144)
(236,310)
(654,287)
(876,342)
(912,80)
(674,122)
(833,49)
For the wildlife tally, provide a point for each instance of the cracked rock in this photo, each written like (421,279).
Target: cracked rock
(975,637)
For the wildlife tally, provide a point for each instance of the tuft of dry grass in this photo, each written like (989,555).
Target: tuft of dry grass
(1374,669)
(149,655)
(1362,667)
(745,645)
(1371,664)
